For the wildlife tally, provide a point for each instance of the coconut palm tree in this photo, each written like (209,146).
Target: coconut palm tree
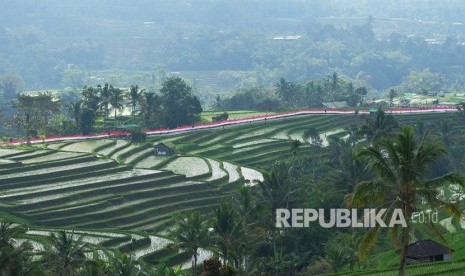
(378,125)
(336,257)
(134,97)
(392,95)
(236,237)
(74,110)
(104,99)
(191,233)
(277,190)
(9,232)
(314,136)
(96,266)
(65,255)
(400,165)
(294,147)
(446,128)
(348,170)
(124,265)
(116,99)
(149,104)
(15,257)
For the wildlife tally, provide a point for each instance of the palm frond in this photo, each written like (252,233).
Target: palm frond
(368,242)
(450,178)
(367,192)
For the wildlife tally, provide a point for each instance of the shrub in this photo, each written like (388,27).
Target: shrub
(138,136)
(220,117)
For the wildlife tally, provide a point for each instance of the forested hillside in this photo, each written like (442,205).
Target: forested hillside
(223,45)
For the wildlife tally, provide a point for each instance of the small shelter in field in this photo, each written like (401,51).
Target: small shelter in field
(164,148)
(428,251)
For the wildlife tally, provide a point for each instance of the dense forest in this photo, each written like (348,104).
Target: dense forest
(71,44)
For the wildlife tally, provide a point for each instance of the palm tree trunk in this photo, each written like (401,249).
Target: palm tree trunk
(194,264)
(28,130)
(406,231)
(403,251)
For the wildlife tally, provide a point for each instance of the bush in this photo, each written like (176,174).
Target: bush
(220,117)
(138,136)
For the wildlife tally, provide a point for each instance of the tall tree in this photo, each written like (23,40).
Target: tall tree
(74,110)
(134,97)
(237,237)
(336,256)
(401,165)
(227,229)
(65,256)
(10,85)
(446,128)
(284,91)
(191,233)
(392,95)
(378,125)
(295,147)
(15,257)
(116,99)
(149,105)
(104,99)
(87,120)
(27,114)
(34,112)
(91,98)
(48,106)
(290,93)
(361,92)
(314,137)
(333,85)
(218,104)
(277,190)
(348,170)
(124,265)
(180,107)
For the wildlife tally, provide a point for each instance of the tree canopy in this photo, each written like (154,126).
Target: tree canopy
(179,106)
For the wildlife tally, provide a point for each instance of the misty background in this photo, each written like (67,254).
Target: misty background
(220,46)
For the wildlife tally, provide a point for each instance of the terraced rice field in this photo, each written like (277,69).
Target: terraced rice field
(189,166)
(85,146)
(123,196)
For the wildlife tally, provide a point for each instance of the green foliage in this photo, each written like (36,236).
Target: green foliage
(256,98)
(318,177)
(220,117)
(10,85)
(180,107)
(65,256)
(400,165)
(425,82)
(34,113)
(191,233)
(86,121)
(150,109)
(138,136)
(378,125)
(134,97)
